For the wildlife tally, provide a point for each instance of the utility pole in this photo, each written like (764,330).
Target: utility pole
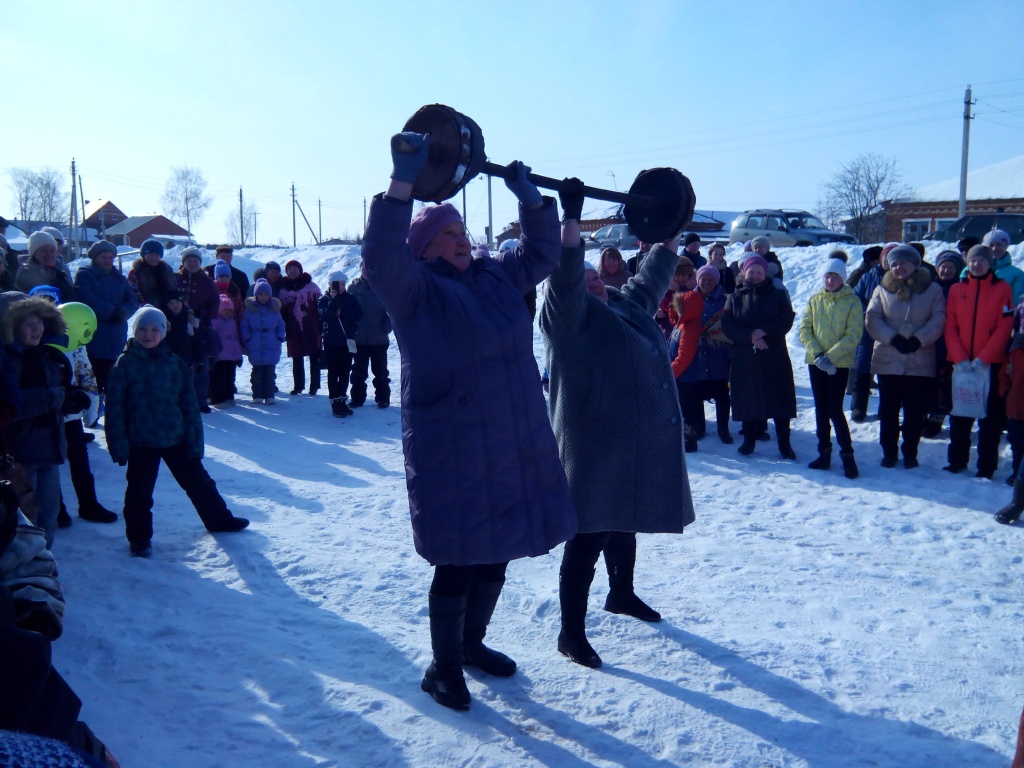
(241,219)
(464,206)
(293,215)
(962,210)
(254,240)
(73,218)
(319,220)
(490,216)
(81,196)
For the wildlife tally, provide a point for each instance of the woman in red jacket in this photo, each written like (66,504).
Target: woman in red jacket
(979,320)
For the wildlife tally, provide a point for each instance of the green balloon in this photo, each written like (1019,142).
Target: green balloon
(81,323)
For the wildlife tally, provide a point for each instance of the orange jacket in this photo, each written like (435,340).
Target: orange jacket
(979,319)
(689,307)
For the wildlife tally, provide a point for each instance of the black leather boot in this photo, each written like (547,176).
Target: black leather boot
(849,465)
(483,597)
(573,590)
(443,679)
(782,433)
(620,559)
(1012,511)
(824,460)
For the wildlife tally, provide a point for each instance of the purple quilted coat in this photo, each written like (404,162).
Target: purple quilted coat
(481,464)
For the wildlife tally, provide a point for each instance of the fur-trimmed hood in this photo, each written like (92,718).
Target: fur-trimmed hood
(918,282)
(298,283)
(17,312)
(251,305)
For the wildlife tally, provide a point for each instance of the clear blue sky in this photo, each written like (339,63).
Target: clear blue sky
(756,102)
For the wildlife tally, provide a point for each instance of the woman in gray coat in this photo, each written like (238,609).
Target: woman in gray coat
(485,485)
(615,414)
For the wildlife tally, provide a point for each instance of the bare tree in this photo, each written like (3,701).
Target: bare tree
(52,196)
(241,235)
(855,194)
(40,195)
(185,195)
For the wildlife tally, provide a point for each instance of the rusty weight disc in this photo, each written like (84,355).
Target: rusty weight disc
(672,203)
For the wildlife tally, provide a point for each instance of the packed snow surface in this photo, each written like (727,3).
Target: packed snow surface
(809,620)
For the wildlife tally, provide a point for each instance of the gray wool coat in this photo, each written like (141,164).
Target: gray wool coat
(614,406)
(481,463)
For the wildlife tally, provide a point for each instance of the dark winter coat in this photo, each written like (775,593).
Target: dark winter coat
(151,402)
(113,301)
(485,483)
(152,285)
(199,292)
(375,325)
(36,433)
(714,351)
(614,407)
(863,290)
(916,303)
(760,380)
(238,278)
(182,336)
(299,299)
(262,329)
(339,316)
(34,274)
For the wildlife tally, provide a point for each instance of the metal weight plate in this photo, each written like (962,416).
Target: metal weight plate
(673,201)
(455,154)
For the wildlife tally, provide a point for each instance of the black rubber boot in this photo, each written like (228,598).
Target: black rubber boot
(479,609)
(573,590)
(1012,511)
(824,460)
(749,432)
(849,465)
(722,420)
(443,679)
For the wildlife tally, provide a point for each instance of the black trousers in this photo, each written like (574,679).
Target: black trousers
(458,580)
(78,462)
(374,357)
(692,396)
(829,393)
(190,474)
(339,363)
(908,394)
(299,373)
(990,431)
(222,381)
(101,369)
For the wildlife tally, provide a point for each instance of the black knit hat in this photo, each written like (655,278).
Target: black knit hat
(691,237)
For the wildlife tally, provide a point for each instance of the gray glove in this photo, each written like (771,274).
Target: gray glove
(524,189)
(825,364)
(408,155)
(962,366)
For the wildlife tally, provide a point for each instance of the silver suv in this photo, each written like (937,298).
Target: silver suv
(784,228)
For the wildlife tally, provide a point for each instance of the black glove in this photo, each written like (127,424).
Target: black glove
(123,463)
(913,344)
(571,199)
(75,401)
(116,316)
(899,343)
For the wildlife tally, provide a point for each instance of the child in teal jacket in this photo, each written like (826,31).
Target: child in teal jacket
(152,415)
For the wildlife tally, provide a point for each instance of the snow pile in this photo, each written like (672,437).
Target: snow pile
(809,620)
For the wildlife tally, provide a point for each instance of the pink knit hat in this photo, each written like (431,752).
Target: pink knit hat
(226,303)
(427,223)
(707,269)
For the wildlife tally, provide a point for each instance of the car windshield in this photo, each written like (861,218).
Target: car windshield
(805,221)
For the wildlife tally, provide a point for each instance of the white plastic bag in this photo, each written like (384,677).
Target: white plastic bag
(970,392)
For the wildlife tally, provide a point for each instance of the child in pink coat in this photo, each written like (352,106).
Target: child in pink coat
(222,377)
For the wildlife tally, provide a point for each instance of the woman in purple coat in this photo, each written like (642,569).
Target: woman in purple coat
(482,469)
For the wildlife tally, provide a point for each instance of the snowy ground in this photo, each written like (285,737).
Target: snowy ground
(809,620)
